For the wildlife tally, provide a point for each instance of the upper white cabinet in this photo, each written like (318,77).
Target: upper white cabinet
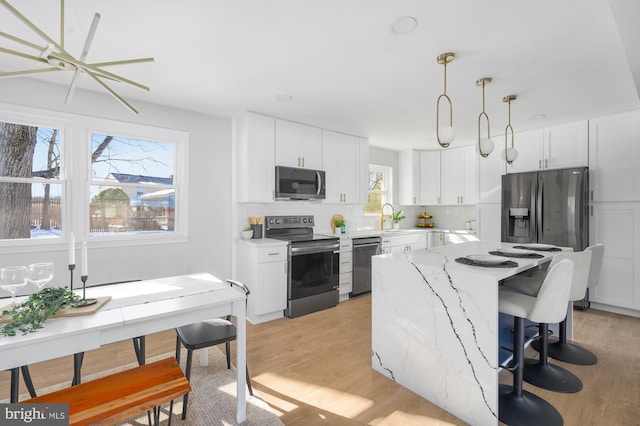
(555,147)
(429,177)
(409,177)
(459,175)
(256,158)
(614,157)
(346,163)
(298,145)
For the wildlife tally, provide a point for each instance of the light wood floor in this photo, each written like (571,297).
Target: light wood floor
(316,370)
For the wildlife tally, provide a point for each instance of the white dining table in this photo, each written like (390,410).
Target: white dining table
(136,309)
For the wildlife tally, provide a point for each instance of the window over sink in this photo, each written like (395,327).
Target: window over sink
(380,189)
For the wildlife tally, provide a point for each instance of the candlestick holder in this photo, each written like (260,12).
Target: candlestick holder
(71,268)
(85,301)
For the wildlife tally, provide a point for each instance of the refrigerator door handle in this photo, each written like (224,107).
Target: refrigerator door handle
(539,209)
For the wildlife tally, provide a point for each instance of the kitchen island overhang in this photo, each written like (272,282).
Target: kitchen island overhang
(435,326)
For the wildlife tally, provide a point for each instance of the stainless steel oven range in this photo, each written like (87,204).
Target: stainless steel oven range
(312,282)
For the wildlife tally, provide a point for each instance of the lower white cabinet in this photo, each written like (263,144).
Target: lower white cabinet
(403,242)
(617,226)
(345,278)
(262,267)
(435,239)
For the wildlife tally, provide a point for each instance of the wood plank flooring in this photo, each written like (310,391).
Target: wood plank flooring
(316,370)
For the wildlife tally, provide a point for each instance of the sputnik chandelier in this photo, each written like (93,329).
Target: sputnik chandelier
(57,58)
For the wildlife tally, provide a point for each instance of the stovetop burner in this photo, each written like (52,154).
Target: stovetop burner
(293,228)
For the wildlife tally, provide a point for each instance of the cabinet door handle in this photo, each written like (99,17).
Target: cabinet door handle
(539,164)
(414,200)
(591,210)
(546,163)
(273,195)
(275,253)
(592,195)
(302,161)
(285,268)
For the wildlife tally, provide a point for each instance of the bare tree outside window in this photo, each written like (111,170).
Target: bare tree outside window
(379,189)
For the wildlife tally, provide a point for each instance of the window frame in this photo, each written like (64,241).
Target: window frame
(180,140)
(387,172)
(75,177)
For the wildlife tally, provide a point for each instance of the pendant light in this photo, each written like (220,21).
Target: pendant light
(485,145)
(509,154)
(444,135)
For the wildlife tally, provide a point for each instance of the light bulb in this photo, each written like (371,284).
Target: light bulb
(446,135)
(486,147)
(510,155)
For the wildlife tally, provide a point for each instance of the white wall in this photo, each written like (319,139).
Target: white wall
(208,247)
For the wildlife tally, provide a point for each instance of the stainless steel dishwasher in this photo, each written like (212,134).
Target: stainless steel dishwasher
(363,249)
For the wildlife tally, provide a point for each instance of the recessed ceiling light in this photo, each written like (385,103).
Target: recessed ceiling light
(537,117)
(284,98)
(404,25)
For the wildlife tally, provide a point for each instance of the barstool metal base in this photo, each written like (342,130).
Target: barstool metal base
(569,352)
(526,409)
(550,377)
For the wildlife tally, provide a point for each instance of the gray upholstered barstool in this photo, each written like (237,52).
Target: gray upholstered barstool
(570,352)
(539,372)
(517,406)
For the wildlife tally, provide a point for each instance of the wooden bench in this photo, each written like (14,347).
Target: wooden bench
(122,395)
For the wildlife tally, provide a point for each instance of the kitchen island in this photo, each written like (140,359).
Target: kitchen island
(435,325)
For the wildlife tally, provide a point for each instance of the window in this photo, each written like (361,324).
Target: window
(116,184)
(379,189)
(132,187)
(31,188)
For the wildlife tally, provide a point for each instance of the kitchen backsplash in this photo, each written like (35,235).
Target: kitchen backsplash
(445,217)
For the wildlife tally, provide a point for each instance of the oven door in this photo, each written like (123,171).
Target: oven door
(313,270)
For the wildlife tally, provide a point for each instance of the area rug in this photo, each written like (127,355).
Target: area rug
(212,401)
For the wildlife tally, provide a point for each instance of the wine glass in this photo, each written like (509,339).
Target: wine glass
(12,278)
(40,274)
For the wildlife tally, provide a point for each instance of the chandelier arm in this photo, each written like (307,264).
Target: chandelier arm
(123,62)
(101,73)
(33,26)
(21,41)
(62,23)
(25,72)
(112,93)
(23,55)
(83,57)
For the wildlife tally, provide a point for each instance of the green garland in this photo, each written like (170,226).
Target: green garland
(31,314)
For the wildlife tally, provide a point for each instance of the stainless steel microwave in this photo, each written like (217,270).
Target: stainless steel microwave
(299,184)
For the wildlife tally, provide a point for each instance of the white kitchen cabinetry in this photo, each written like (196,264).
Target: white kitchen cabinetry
(459,180)
(409,177)
(617,226)
(345,159)
(262,268)
(346,267)
(614,157)
(298,145)
(429,178)
(436,239)
(555,147)
(403,242)
(256,158)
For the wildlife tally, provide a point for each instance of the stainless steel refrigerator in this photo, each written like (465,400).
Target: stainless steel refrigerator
(549,207)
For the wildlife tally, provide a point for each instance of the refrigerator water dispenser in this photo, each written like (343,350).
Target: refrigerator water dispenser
(519,225)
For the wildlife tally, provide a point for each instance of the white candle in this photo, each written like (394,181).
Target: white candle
(72,249)
(84,269)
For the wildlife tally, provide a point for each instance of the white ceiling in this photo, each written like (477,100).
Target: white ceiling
(344,67)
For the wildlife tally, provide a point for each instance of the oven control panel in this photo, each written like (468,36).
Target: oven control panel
(281,222)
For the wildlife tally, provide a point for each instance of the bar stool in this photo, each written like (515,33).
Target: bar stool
(539,372)
(517,406)
(203,335)
(570,352)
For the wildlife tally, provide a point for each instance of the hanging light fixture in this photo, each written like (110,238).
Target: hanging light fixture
(445,134)
(485,145)
(509,154)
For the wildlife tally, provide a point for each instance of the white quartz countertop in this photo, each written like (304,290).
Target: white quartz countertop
(262,242)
